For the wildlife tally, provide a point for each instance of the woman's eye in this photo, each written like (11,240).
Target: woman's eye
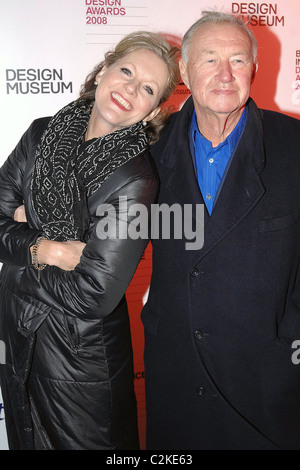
(149,90)
(126,71)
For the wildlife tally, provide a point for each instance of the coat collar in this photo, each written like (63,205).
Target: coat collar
(177,133)
(242,188)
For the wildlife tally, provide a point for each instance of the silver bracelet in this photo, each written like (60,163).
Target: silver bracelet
(34,256)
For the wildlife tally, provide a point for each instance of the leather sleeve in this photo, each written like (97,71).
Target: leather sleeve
(98,283)
(15,237)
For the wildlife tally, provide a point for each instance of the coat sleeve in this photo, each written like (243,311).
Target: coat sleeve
(15,237)
(98,283)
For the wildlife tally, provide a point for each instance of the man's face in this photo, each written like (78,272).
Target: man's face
(220,69)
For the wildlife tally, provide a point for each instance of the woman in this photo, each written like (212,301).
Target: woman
(68,378)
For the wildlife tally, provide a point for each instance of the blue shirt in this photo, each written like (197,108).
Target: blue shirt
(211,164)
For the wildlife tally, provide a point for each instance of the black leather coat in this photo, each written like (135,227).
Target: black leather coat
(68,378)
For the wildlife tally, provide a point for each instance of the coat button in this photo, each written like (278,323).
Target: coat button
(198,334)
(195,272)
(201,391)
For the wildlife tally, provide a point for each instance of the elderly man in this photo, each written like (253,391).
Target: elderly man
(221,323)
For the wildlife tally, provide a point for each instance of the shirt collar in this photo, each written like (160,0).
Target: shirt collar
(231,140)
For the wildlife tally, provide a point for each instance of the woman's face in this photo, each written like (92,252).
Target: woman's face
(129,91)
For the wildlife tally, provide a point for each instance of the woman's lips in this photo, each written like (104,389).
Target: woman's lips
(121,102)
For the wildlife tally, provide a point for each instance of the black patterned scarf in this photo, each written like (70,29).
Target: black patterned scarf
(68,170)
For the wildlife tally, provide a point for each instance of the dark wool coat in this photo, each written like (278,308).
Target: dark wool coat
(68,378)
(220,321)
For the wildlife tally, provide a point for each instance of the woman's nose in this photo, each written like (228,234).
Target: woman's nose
(131,87)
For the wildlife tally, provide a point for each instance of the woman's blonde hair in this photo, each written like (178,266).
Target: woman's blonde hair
(139,40)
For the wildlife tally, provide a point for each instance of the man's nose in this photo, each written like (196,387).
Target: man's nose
(225,72)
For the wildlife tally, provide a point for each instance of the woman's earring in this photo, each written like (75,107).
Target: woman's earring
(95,82)
(145,123)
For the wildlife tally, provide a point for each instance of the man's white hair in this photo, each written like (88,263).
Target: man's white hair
(216,17)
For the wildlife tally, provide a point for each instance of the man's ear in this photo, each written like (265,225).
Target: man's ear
(183,72)
(255,69)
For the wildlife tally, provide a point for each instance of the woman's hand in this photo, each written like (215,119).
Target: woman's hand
(64,255)
(20,214)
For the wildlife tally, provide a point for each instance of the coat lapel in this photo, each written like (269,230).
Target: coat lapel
(174,153)
(242,188)
(183,181)
(240,193)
